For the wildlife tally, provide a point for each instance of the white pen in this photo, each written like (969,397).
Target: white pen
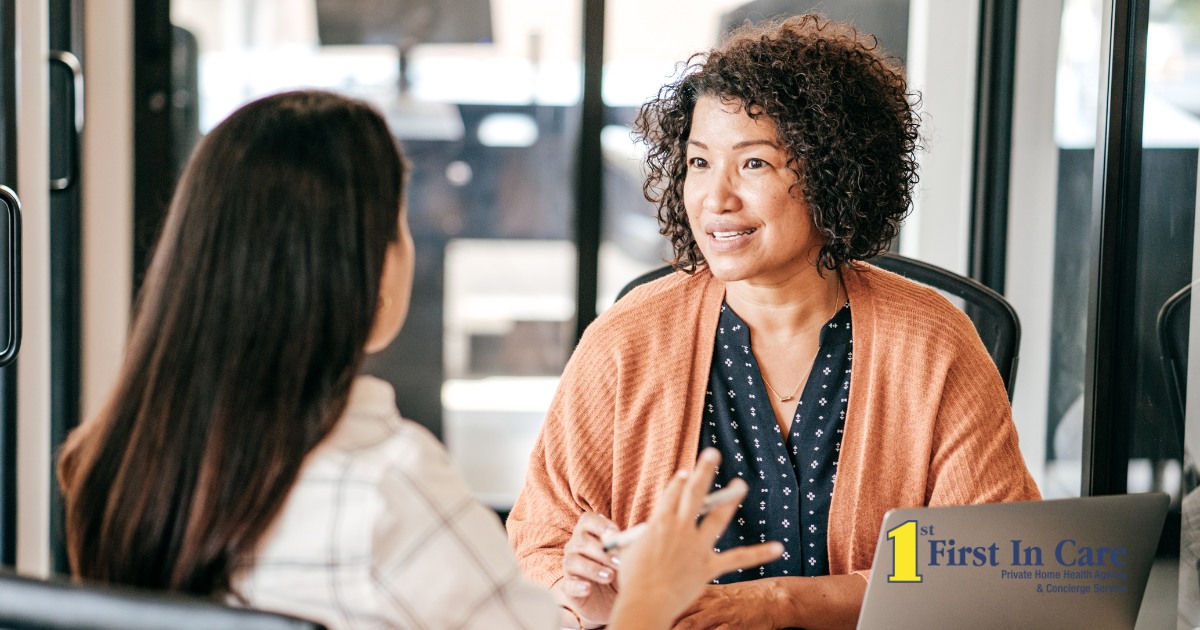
(622,538)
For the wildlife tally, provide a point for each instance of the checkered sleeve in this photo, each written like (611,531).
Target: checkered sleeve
(440,559)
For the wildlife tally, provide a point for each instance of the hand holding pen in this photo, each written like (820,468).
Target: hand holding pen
(615,540)
(589,584)
(672,560)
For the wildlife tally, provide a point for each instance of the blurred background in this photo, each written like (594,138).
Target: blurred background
(526,205)
(486,97)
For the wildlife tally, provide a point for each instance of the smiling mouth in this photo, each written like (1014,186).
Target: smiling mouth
(727,236)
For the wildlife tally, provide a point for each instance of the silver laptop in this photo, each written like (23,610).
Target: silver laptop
(1067,563)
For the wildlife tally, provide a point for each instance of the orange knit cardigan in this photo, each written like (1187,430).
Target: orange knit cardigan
(928,421)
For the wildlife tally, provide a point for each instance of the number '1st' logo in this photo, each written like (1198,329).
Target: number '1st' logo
(904,553)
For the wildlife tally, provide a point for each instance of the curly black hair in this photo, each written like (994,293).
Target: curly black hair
(843,113)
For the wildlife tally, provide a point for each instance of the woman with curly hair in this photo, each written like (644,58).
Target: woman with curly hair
(780,162)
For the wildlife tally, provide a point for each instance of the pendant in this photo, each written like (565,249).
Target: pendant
(785,399)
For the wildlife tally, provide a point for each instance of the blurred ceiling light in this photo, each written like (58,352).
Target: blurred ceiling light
(508,130)
(458,173)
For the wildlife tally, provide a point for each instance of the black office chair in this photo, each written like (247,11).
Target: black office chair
(995,319)
(1174,319)
(30,604)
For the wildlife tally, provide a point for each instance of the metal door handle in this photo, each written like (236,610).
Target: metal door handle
(12,205)
(71,62)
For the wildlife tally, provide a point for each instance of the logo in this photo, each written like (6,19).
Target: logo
(1061,570)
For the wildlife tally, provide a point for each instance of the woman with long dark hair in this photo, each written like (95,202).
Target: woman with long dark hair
(241,455)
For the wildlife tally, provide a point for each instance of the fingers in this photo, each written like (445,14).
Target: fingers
(576,588)
(699,483)
(594,524)
(585,541)
(576,566)
(744,558)
(694,619)
(718,519)
(668,503)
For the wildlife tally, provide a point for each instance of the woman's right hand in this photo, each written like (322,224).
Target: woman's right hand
(589,584)
(667,568)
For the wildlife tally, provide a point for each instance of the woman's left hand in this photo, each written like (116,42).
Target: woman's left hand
(742,605)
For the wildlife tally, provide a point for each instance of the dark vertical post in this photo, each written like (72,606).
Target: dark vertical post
(152,168)
(993,141)
(8,465)
(66,34)
(1109,402)
(8,93)
(589,174)
(8,375)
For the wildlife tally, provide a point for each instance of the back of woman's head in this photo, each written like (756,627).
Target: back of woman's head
(250,328)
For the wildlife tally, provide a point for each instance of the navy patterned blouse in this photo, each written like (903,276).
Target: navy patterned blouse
(790,478)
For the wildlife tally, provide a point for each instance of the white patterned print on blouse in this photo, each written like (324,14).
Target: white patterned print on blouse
(791,477)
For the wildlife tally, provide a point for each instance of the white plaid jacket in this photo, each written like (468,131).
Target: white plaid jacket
(381,532)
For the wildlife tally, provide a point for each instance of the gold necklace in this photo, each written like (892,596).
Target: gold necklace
(789,396)
(809,370)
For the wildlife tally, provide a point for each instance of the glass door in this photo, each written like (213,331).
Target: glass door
(1141,228)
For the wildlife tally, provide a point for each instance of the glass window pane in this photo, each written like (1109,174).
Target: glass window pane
(1050,236)
(484,96)
(941,64)
(1049,242)
(1076,96)
(1170,140)
(1159,458)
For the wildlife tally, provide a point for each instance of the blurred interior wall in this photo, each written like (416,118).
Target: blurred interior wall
(942,49)
(33,364)
(107,196)
(1032,193)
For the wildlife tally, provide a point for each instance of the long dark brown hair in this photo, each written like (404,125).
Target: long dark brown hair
(250,328)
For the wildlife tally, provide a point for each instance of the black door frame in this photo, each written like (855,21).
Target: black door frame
(589,175)
(8,375)
(66,35)
(153,173)
(1109,397)
(994,97)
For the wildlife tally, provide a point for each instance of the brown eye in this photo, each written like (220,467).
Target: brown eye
(755,163)
(698,162)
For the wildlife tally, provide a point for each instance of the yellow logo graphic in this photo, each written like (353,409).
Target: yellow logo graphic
(904,553)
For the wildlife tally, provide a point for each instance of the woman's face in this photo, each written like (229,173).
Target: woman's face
(395,287)
(738,201)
